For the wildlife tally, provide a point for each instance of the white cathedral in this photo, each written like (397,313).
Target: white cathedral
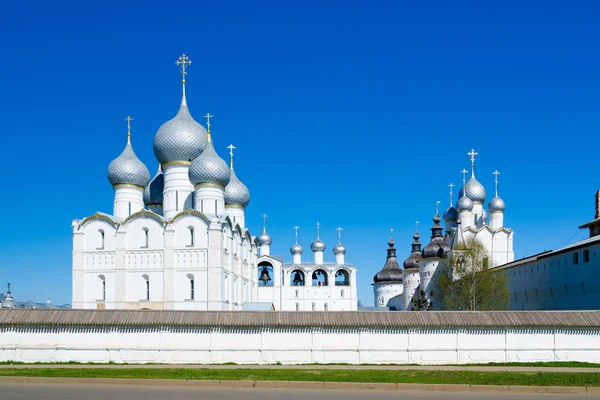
(178,241)
(397,288)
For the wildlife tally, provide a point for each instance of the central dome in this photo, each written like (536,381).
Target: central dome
(180,139)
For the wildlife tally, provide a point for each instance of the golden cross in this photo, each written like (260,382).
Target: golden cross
(183,61)
(128,119)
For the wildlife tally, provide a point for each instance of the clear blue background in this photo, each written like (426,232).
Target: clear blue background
(354,114)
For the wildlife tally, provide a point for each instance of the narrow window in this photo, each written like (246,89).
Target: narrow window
(192,289)
(314,307)
(129,209)
(342,293)
(297,307)
(101,239)
(193,201)
(296,293)
(191,236)
(176,201)
(103,290)
(147,289)
(325,307)
(586,256)
(215,206)
(146,238)
(201,205)
(575,258)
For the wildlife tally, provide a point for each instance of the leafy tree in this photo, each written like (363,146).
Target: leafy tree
(421,302)
(468,283)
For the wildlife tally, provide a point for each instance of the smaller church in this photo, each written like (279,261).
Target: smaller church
(397,288)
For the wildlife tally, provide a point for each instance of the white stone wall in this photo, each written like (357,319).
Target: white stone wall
(384,291)
(289,345)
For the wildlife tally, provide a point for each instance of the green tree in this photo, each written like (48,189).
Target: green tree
(469,283)
(421,302)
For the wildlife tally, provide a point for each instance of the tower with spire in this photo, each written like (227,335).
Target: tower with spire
(411,277)
(264,240)
(387,286)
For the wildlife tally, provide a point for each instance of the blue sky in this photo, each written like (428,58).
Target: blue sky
(354,114)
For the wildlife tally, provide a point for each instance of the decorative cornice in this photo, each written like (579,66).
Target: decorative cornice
(209,184)
(100,217)
(192,212)
(235,205)
(184,163)
(127,185)
(145,213)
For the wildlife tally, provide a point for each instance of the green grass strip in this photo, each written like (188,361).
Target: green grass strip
(320,375)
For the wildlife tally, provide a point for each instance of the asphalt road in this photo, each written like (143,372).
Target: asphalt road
(29,391)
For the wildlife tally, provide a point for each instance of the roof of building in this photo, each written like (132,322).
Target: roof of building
(433,319)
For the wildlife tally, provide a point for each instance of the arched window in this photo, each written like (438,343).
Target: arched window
(297,277)
(147,280)
(103,286)
(296,293)
(191,229)
(201,205)
(575,258)
(297,306)
(342,293)
(176,201)
(319,278)
(342,278)
(146,238)
(265,271)
(226,288)
(101,232)
(314,307)
(129,209)
(215,206)
(586,256)
(191,278)
(325,307)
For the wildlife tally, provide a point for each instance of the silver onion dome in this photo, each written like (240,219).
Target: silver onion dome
(208,167)
(496,205)
(153,194)
(264,239)
(474,190)
(318,245)
(339,249)
(451,214)
(464,204)
(179,139)
(128,169)
(296,249)
(236,192)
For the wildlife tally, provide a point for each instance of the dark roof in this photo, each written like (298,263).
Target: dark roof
(433,319)
(391,271)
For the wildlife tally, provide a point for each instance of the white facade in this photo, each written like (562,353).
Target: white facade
(293,345)
(386,292)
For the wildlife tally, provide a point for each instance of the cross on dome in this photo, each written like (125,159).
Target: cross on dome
(296,228)
(472,154)
(231,148)
(391,233)
(496,173)
(339,235)
(208,116)
(183,62)
(264,217)
(318,230)
(451,186)
(416,226)
(128,119)
(464,172)
(437,205)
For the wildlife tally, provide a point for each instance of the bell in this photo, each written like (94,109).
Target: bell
(264,276)
(314,275)
(298,279)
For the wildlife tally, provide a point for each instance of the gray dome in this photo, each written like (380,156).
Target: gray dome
(180,139)
(318,245)
(153,194)
(391,271)
(128,169)
(296,249)
(437,247)
(208,167)
(264,238)
(236,192)
(496,205)
(451,214)
(475,190)
(339,249)
(464,204)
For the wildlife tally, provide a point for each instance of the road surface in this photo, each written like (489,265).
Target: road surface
(59,391)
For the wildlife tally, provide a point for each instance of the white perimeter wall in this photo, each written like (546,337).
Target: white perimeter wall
(296,345)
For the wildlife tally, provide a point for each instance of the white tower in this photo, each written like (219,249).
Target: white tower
(176,143)
(387,283)
(410,277)
(339,250)
(263,241)
(296,249)
(496,208)
(237,195)
(128,177)
(318,247)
